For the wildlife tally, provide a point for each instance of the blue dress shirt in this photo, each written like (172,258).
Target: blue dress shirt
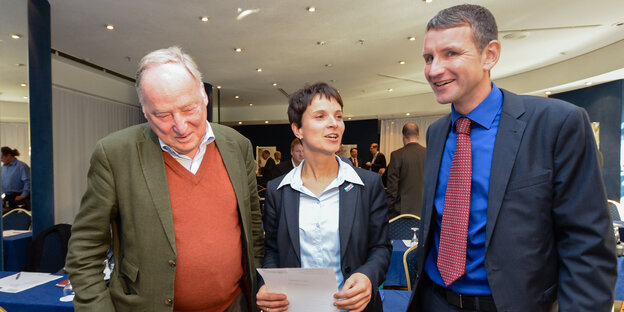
(16,178)
(486,117)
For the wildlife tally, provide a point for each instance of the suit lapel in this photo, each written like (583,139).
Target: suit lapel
(153,167)
(508,139)
(290,208)
(347,203)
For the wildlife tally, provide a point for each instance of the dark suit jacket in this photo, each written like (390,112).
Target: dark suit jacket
(405,180)
(127,188)
(284,167)
(364,242)
(361,163)
(548,234)
(380,162)
(268,171)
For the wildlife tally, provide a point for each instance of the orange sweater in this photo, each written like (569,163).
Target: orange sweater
(208,234)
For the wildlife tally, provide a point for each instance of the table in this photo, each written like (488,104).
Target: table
(16,251)
(396,271)
(395,300)
(41,298)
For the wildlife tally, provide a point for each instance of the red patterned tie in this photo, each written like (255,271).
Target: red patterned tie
(454,231)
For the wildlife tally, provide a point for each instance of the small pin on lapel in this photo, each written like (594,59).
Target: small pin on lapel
(348,187)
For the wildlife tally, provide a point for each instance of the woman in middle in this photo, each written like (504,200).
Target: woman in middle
(325,212)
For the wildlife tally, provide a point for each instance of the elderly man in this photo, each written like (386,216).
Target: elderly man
(180,196)
(514,209)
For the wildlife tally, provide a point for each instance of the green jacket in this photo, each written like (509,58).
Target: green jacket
(127,192)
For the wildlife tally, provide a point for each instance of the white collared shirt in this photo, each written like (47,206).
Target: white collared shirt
(191,164)
(319,237)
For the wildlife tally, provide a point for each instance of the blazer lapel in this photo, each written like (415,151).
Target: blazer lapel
(508,138)
(153,167)
(290,210)
(346,215)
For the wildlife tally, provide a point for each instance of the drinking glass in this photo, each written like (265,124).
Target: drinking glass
(414,241)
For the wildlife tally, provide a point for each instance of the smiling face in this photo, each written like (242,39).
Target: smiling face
(174,104)
(321,127)
(456,70)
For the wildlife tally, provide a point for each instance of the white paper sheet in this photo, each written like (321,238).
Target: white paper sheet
(26,280)
(307,290)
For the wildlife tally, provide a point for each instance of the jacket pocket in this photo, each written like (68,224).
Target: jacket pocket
(550,294)
(129,273)
(528,182)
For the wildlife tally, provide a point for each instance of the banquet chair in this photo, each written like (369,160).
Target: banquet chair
(400,227)
(409,263)
(17,219)
(613,209)
(47,251)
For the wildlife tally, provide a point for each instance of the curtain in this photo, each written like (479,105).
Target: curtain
(15,135)
(391,137)
(79,120)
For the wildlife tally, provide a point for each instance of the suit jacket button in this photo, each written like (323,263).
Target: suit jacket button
(172,263)
(348,270)
(169,301)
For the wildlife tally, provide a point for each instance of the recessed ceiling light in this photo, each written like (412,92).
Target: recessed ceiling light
(328,65)
(427,1)
(618,24)
(311,9)
(332,80)
(266,121)
(23,85)
(25,98)
(110,27)
(275,84)
(218,87)
(349,118)
(548,92)
(259,69)
(321,42)
(402,62)
(16,36)
(240,122)
(20,65)
(238,50)
(589,83)
(411,38)
(515,35)
(204,19)
(236,96)
(250,104)
(390,90)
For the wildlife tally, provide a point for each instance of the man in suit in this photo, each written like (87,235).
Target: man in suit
(405,174)
(355,160)
(268,171)
(378,162)
(296,157)
(514,212)
(176,199)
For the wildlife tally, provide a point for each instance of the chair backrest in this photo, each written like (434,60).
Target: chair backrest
(17,219)
(401,226)
(48,250)
(613,209)
(409,263)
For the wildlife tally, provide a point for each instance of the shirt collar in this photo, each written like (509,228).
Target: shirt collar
(207,139)
(485,113)
(345,173)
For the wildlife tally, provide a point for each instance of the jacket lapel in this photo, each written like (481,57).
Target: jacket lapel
(347,203)
(153,167)
(508,139)
(290,209)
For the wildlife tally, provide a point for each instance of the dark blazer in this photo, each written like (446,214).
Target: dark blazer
(380,162)
(549,236)
(268,171)
(364,242)
(405,180)
(360,162)
(284,167)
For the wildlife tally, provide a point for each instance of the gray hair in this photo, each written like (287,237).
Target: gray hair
(480,19)
(172,54)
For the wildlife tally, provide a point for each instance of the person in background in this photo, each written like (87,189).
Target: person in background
(296,157)
(354,159)
(325,212)
(267,171)
(278,157)
(181,196)
(15,180)
(514,214)
(378,162)
(405,174)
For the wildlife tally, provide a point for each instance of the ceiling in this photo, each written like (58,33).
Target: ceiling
(362,42)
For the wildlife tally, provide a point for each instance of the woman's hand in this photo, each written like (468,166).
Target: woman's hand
(271,302)
(356,293)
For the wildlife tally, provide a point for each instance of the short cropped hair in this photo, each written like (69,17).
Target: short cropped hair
(172,54)
(300,100)
(351,150)
(294,143)
(410,129)
(480,19)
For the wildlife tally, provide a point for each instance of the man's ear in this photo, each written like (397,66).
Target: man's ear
(491,54)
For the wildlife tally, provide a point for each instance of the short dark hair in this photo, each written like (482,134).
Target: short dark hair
(353,148)
(294,143)
(410,129)
(300,100)
(480,19)
(5,150)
